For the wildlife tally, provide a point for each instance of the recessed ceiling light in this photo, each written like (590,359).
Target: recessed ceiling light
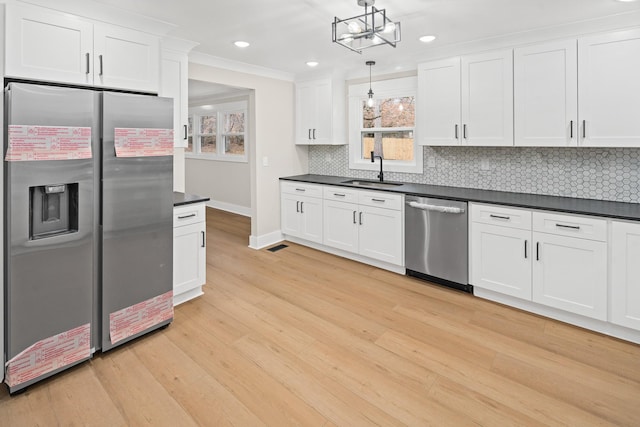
(240,43)
(427,39)
(312,64)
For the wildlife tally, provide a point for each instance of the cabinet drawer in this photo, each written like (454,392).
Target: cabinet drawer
(188,214)
(503,216)
(302,189)
(341,194)
(570,225)
(380,200)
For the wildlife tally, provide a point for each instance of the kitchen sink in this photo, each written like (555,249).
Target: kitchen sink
(371,184)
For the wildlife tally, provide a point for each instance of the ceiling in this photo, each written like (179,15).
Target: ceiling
(285,34)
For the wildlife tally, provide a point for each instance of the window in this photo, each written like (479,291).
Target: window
(386,127)
(220,132)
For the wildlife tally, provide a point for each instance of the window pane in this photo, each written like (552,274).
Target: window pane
(189,148)
(208,124)
(208,144)
(234,144)
(389,113)
(394,145)
(234,122)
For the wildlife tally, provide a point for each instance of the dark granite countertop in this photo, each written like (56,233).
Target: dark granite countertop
(180,199)
(630,211)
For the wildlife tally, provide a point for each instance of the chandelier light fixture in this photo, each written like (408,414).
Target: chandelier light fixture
(370,100)
(370,29)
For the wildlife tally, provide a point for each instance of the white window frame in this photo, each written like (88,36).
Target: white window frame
(219,110)
(393,88)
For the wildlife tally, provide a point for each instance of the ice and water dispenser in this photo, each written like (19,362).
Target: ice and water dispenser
(53,210)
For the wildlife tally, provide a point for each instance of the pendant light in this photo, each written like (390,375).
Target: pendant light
(370,100)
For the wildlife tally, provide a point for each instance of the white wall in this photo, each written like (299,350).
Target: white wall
(272,137)
(227,184)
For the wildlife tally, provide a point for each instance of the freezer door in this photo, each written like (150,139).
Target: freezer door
(137,223)
(49,226)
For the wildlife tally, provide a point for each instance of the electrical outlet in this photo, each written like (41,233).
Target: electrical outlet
(327,157)
(431,162)
(265,161)
(484,165)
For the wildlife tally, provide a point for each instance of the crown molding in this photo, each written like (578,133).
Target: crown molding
(242,67)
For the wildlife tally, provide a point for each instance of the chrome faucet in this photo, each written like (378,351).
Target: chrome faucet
(373,158)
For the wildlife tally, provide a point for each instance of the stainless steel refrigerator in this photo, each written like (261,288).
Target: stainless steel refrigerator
(88,224)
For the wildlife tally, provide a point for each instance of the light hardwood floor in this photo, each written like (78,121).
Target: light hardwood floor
(299,337)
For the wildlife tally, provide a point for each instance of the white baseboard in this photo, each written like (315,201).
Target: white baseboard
(230,207)
(561,315)
(260,242)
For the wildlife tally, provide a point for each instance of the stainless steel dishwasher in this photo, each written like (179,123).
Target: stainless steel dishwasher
(436,236)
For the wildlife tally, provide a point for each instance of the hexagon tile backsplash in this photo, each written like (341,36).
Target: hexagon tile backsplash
(588,173)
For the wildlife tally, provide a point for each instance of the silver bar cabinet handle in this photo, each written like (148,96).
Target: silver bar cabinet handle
(573,227)
(87,60)
(301,207)
(298,207)
(464,131)
(204,242)
(525,249)
(186,216)
(571,129)
(354,217)
(584,129)
(456,130)
(100,60)
(314,134)
(360,218)
(537,251)
(185,132)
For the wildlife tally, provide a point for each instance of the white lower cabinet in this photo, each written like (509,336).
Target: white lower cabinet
(301,211)
(189,252)
(571,274)
(625,277)
(367,223)
(501,259)
(557,260)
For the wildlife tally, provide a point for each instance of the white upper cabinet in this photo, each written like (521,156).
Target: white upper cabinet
(124,58)
(43,44)
(174,83)
(487,99)
(466,101)
(609,88)
(320,113)
(546,95)
(439,102)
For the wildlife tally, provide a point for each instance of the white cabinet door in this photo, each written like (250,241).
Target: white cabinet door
(625,275)
(381,234)
(341,225)
(305,111)
(487,99)
(501,259)
(174,84)
(609,105)
(546,95)
(47,45)
(301,217)
(570,274)
(438,113)
(290,214)
(322,132)
(311,213)
(189,257)
(126,59)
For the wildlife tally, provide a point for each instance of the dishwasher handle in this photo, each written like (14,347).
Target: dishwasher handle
(436,208)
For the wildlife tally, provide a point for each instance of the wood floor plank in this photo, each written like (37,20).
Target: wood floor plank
(301,337)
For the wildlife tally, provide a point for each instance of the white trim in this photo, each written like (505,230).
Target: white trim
(561,315)
(404,86)
(228,64)
(349,255)
(186,296)
(230,207)
(105,13)
(177,45)
(261,242)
